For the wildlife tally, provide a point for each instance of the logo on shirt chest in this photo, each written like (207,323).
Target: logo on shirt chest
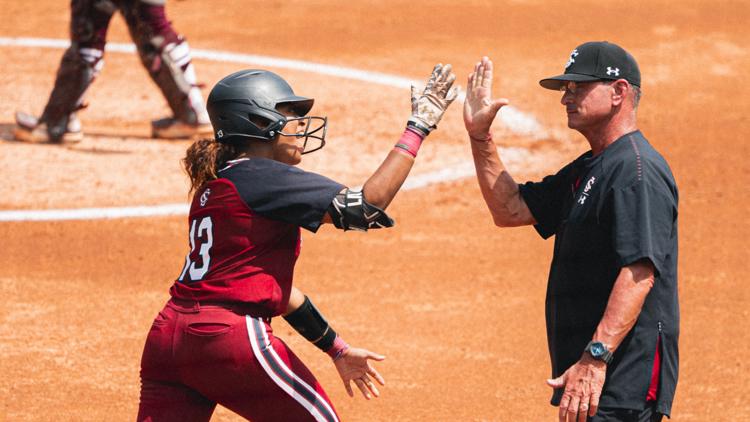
(586,191)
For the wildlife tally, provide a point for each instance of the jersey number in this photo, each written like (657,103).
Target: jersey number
(204,237)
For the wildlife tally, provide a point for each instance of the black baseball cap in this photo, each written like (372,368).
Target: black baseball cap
(596,61)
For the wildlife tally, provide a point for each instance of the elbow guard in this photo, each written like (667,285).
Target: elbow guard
(351,211)
(308,321)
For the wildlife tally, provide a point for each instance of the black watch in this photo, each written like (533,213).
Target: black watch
(599,351)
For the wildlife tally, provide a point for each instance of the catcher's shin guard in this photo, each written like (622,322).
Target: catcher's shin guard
(166,55)
(170,66)
(78,69)
(177,71)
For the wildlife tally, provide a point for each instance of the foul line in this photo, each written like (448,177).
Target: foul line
(516,121)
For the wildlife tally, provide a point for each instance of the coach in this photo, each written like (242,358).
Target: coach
(611,308)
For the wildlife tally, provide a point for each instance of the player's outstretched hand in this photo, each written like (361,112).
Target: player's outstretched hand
(428,106)
(354,365)
(479,107)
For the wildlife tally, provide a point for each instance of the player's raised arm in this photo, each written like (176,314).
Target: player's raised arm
(363,209)
(427,108)
(499,190)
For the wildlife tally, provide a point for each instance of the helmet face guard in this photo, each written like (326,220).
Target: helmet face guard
(317,133)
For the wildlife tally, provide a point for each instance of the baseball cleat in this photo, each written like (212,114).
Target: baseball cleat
(28,129)
(171,128)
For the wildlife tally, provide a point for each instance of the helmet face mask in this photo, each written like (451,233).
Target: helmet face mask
(314,135)
(245,105)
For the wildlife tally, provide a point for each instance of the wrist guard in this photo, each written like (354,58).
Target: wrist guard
(350,211)
(308,321)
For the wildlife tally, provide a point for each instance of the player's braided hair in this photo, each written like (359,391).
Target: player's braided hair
(204,159)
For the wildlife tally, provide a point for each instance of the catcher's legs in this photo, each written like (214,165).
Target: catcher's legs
(166,56)
(80,65)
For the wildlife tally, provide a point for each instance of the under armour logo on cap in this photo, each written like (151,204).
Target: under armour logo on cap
(596,61)
(220,134)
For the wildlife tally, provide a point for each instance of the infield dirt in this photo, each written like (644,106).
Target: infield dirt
(461,321)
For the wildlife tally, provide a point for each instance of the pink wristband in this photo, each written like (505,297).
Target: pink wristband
(410,142)
(337,349)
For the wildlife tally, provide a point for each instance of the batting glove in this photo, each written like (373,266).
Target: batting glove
(428,107)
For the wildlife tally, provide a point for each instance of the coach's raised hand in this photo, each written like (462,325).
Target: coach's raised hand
(479,108)
(428,107)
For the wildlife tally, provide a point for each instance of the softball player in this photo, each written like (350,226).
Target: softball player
(212,342)
(163,52)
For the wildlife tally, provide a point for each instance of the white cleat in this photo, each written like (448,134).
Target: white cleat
(171,128)
(28,129)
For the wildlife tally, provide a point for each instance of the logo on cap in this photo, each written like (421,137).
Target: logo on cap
(572,59)
(613,71)
(220,133)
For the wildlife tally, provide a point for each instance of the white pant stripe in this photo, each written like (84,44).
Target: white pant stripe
(258,348)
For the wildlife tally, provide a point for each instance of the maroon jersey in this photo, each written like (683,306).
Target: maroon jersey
(244,232)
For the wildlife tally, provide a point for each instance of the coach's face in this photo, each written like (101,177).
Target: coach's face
(587,103)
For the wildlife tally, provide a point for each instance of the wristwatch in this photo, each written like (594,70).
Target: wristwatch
(599,351)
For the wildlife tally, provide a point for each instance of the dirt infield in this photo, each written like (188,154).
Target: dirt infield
(462,321)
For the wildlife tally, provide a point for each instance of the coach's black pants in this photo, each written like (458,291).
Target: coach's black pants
(649,414)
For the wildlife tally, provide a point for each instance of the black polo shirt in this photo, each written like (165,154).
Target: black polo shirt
(607,212)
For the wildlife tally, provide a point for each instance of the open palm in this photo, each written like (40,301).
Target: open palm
(479,107)
(354,366)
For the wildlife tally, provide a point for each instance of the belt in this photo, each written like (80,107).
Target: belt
(240,308)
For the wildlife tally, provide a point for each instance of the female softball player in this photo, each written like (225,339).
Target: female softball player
(212,342)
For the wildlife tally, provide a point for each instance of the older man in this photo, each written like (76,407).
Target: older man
(612,309)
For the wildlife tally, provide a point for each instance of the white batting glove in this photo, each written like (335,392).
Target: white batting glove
(428,107)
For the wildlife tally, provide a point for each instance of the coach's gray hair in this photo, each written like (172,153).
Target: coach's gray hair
(636,96)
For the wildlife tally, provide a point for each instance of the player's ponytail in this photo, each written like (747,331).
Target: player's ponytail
(203,160)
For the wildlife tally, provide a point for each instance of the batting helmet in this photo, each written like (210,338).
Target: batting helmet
(244,105)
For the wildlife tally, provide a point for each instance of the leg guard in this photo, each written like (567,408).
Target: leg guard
(166,55)
(79,66)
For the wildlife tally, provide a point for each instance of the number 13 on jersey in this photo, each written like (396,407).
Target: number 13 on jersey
(203,238)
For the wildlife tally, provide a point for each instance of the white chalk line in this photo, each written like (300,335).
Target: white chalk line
(515,120)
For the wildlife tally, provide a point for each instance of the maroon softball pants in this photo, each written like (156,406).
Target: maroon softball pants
(199,355)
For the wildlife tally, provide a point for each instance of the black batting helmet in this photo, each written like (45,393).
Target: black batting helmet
(238,102)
